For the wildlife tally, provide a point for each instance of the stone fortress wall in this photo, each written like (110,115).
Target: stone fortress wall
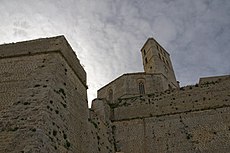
(43,107)
(43,99)
(166,118)
(191,119)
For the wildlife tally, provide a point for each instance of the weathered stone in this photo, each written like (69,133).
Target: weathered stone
(43,105)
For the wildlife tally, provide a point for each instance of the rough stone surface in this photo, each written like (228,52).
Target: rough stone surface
(43,105)
(171,122)
(128,85)
(157,60)
(190,119)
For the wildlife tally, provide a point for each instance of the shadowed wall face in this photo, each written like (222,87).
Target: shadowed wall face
(43,105)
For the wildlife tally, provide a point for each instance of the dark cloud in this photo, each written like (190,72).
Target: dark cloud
(107,34)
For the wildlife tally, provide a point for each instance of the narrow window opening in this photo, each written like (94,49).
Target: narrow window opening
(141,88)
(146,61)
(144,52)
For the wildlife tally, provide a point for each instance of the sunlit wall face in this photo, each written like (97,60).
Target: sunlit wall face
(107,35)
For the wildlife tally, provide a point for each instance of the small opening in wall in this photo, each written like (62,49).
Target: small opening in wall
(141,88)
(146,61)
(144,52)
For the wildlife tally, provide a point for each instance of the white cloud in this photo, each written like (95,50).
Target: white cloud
(108,34)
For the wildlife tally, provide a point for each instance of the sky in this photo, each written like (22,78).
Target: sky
(107,35)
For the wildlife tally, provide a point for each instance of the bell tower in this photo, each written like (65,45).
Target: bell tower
(156,60)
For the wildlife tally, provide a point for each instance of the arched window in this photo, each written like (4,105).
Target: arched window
(110,94)
(141,88)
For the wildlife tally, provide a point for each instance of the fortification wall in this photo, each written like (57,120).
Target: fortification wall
(187,99)
(43,102)
(212,80)
(100,139)
(43,108)
(201,131)
(192,119)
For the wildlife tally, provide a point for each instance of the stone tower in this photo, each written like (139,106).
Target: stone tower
(43,98)
(156,60)
(43,105)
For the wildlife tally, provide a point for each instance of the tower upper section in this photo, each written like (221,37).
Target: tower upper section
(156,60)
(44,46)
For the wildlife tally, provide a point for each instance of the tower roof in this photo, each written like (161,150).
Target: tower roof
(151,38)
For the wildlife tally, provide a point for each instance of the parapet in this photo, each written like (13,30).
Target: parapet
(210,95)
(213,79)
(45,46)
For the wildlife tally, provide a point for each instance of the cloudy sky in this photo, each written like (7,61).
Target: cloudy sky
(107,34)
